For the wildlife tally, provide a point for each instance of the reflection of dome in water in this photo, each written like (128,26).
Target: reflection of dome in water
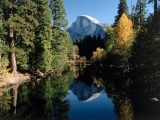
(94,96)
(85,93)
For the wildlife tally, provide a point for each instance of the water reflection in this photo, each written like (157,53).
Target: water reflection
(95,94)
(84,92)
(135,93)
(42,100)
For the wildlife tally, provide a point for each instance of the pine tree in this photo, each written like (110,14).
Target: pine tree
(25,32)
(3,47)
(123,38)
(1,31)
(8,8)
(122,8)
(145,50)
(42,52)
(155,5)
(61,42)
(109,43)
(140,13)
(20,31)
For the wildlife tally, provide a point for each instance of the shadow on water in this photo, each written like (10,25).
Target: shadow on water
(135,94)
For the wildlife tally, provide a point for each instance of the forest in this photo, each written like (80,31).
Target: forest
(33,37)
(132,41)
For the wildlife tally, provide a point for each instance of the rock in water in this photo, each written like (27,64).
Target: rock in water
(154,99)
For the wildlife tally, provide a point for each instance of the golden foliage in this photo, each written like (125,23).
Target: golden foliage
(98,55)
(98,81)
(125,110)
(123,35)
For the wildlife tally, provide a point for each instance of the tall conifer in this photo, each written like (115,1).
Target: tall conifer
(25,32)
(61,42)
(8,8)
(122,8)
(155,5)
(140,13)
(42,55)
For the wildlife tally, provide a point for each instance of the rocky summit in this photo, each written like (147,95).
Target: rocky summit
(86,25)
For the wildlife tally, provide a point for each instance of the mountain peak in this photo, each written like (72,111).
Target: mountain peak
(86,25)
(94,20)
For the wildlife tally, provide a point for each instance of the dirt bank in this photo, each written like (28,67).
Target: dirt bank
(9,79)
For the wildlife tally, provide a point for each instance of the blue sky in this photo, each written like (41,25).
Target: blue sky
(103,10)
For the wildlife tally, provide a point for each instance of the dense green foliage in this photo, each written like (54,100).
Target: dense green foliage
(146,50)
(61,42)
(43,55)
(140,13)
(144,44)
(33,34)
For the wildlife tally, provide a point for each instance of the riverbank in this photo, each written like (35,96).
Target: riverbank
(9,80)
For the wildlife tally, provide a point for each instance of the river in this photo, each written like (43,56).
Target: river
(85,94)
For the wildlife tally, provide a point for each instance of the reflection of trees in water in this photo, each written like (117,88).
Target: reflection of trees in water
(132,92)
(144,88)
(114,81)
(61,110)
(77,70)
(42,100)
(129,90)
(84,76)
(122,105)
(125,109)
(116,89)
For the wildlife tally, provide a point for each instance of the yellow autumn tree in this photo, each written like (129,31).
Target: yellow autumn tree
(98,56)
(123,37)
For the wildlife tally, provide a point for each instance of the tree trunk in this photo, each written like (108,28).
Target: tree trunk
(14,100)
(11,36)
(155,7)
(13,58)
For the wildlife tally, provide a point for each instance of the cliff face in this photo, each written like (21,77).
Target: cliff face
(86,25)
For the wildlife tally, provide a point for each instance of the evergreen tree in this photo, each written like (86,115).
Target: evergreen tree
(61,42)
(1,31)
(140,14)
(25,35)
(12,40)
(145,51)
(8,10)
(155,5)
(109,43)
(42,52)
(3,47)
(122,8)
(20,31)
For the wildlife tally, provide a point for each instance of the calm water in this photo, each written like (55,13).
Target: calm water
(89,103)
(85,94)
